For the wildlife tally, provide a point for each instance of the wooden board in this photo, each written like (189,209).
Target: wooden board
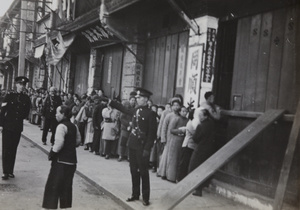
(172,68)
(211,165)
(240,63)
(251,70)
(149,65)
(158,76)
(287,97)
(275,59)
(263,62)
(287,162)
(166,70)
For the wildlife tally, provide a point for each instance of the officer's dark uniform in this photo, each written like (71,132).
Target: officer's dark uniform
(140,142)
(14,109)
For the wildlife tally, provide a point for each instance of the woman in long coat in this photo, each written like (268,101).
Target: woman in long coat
(89,129)
(111,128)
(175,143)
(165,137)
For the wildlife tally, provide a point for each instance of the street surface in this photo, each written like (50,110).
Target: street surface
(26,190)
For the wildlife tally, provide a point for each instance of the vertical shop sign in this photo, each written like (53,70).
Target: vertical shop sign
(193,77)
(180,67)
(210,54)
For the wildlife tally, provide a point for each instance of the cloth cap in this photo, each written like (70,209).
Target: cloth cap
(133,93)
(142,92)
(23,80)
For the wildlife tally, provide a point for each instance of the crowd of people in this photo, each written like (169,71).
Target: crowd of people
(184,136)
(181,137)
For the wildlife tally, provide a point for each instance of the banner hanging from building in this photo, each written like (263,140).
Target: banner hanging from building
(54,53)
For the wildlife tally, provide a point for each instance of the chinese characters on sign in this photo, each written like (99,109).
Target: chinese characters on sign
(210,54)
(181,66)
(193,75)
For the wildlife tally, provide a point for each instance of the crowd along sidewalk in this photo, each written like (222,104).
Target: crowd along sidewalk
(114,179)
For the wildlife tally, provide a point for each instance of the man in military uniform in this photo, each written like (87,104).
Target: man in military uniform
(14,109)
(140,142)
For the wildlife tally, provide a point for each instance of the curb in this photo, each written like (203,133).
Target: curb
(90,181)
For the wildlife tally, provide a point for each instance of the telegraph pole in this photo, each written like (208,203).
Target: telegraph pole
(22,44)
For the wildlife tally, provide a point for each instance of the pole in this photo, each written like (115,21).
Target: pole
(22,45)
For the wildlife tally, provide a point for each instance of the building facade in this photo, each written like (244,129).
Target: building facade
(247,52)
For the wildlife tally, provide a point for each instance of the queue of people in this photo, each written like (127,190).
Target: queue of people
(172,140)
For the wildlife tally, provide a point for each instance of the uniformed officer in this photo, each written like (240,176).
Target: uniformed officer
(14,109)
(140,142)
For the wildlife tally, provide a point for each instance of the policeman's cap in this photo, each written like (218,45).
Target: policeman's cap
(21,80)
(141,92)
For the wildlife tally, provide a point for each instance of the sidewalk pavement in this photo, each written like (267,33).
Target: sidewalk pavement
(114,178)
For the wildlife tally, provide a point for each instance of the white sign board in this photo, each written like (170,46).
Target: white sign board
(193,74)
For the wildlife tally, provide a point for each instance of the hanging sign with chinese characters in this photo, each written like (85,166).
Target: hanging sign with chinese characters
(210,54)
(193,74)
(97,35)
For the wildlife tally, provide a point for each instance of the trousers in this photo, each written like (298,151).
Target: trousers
(10,142)
(139,170)
(59,186)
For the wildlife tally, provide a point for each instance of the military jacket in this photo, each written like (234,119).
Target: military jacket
(14,109)
(144,126)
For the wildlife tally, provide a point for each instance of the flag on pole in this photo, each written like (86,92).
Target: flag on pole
(54,53)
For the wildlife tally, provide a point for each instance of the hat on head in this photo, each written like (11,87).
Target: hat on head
(142,92)
(208,94)
(23,80)
(133,93)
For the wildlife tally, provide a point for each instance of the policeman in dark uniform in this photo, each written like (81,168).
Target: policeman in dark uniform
(14,109)
(140,142)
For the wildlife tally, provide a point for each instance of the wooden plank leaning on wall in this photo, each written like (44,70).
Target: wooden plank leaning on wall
(211,165)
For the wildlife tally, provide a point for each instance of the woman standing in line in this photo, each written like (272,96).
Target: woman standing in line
(175,143)
(64,160)
(111,128)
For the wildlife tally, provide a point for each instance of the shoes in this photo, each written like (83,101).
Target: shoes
(154,170)
(5,176)
(11,175)
(44,143)
(164,177)
(107,157)
(102,155)
(86,148)
(120,159)
(133,198)
(146,203)
(96,153)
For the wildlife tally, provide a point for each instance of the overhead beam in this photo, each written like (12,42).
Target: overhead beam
(184,17)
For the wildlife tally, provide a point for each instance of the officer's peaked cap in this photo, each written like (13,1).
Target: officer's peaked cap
(23,80)
(142,92)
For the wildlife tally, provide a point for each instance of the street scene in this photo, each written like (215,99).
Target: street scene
(157,104)
(26,190)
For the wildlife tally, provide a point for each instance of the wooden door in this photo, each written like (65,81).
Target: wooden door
(112,70)
(161,66)
(81,73)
